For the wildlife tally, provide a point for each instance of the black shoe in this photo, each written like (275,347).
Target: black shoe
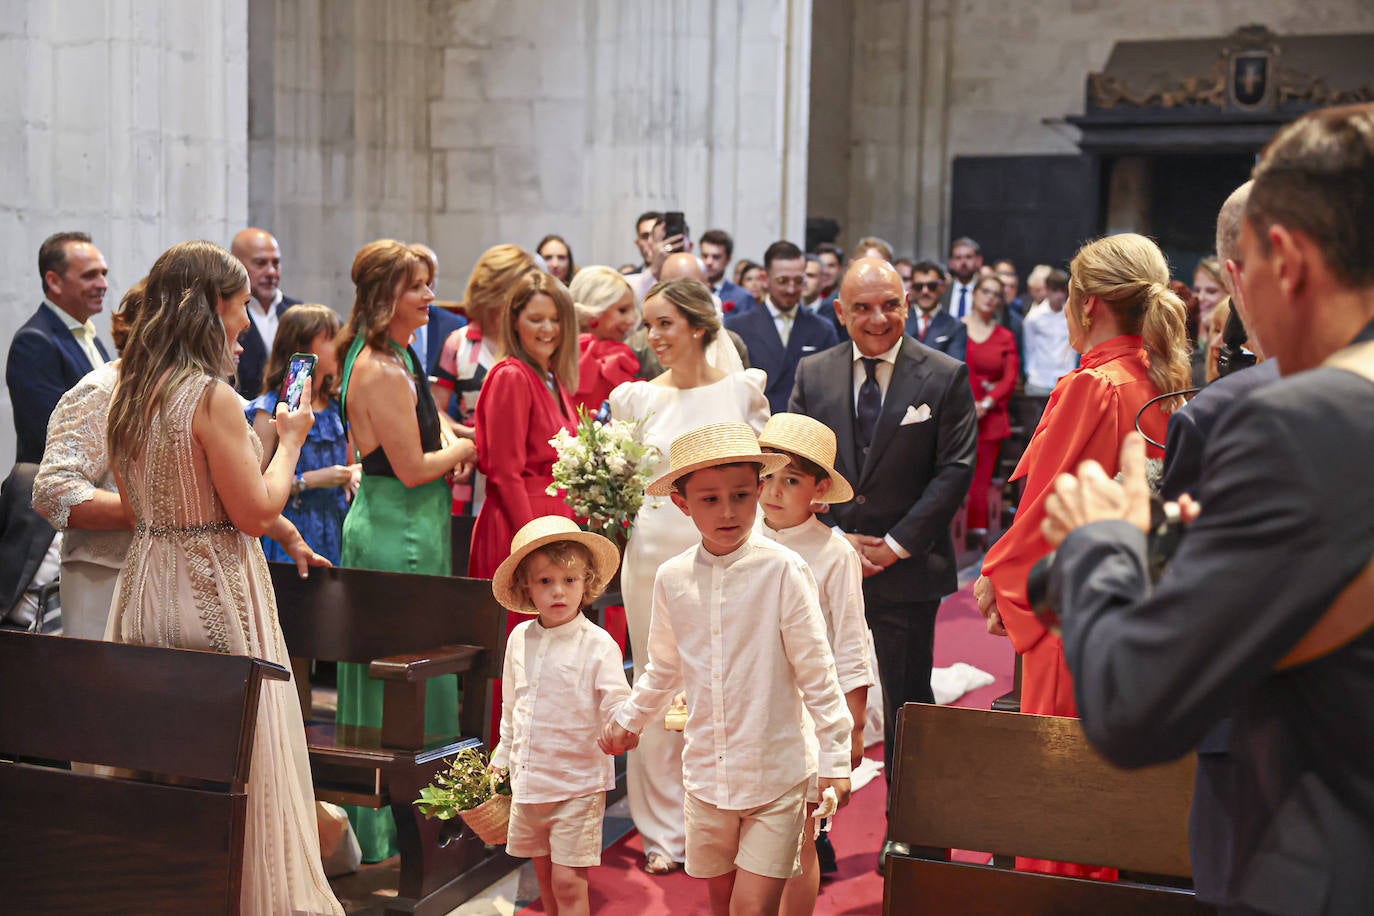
(825,853)
(891,848)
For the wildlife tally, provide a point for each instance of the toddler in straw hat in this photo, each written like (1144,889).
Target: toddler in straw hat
(809,477)
(736,619)
(563,677)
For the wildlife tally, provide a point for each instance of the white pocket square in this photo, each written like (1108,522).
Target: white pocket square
(916,415)
(807,348)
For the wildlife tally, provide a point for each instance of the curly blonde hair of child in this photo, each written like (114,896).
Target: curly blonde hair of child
(565,554)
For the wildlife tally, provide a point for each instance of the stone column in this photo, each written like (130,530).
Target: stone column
(122,118)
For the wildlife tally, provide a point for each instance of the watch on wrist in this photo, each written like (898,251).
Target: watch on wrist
(299,486)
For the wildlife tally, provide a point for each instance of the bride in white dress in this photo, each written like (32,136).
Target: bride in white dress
(683,328)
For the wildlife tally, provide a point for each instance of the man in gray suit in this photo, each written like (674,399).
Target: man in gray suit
(1284,529)
(907,432)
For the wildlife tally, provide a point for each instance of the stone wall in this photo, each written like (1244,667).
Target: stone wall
(122,118)
(930,80)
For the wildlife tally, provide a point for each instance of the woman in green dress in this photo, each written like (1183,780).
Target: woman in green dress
(399,521)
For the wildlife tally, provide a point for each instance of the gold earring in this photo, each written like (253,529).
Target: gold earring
(1087,322)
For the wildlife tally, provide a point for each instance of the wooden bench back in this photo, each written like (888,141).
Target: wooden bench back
(1014,784)
(358,615)
(75,842)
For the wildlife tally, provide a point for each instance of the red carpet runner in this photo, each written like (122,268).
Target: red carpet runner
(620,888)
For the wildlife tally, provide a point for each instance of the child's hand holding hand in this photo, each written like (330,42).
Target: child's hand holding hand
(616,739)
(839,784)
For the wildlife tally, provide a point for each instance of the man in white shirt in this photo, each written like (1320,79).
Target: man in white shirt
(965,260)
(261,256)
(736,618)
(58,344)
(1045,342)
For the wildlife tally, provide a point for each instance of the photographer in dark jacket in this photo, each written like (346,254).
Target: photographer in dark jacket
(1283,528)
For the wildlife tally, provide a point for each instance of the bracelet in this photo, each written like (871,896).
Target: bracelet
(299,486)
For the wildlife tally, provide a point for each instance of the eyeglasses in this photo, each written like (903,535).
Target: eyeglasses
(930,286)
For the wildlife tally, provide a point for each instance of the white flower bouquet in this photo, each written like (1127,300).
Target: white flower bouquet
(604,468)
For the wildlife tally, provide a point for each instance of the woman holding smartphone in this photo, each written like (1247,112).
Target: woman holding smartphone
(325,481)
(400,518)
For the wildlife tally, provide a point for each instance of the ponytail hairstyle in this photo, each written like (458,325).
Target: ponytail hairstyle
(379,270)
(176,335)
(296,331)
(1129,274)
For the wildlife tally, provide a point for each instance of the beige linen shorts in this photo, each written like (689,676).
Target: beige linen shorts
(765,840)
(568,832)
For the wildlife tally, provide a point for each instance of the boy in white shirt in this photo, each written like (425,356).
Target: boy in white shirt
(810,477)
(737,620)
(564,676)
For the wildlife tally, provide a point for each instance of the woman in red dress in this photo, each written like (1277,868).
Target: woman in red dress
(1130,329)
(524,402)
(993,364)
(606,304)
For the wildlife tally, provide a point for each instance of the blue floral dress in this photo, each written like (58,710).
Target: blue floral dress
(318,514)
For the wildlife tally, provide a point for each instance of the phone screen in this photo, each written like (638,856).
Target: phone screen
(301,367)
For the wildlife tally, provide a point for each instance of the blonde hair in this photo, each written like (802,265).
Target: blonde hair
(177,334)
(692,299)
(565,554)
(1129,274)
(564,361)
(1212,267)
(492,279)
(596,289)
(379,269)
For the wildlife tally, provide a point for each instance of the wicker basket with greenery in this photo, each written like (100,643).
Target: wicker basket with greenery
(469,789)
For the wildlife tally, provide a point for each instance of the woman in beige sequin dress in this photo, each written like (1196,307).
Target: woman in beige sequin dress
(195,576)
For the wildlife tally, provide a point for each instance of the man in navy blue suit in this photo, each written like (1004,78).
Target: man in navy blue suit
(781,332)
(57,346)
(717,248)
(261,257)
(928,322)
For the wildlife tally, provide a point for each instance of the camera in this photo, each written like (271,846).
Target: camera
(1166,530)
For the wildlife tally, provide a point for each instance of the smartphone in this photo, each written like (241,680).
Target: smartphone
(301,367)
(674,223)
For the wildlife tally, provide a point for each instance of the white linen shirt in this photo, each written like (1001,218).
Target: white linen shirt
(561,686)
(839,579)
(744,632)
(1045,336)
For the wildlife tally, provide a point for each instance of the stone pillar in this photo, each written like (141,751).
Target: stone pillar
(339,133)
(121,118)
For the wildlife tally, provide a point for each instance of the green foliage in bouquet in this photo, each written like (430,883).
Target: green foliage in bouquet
(463,786)
(604,467)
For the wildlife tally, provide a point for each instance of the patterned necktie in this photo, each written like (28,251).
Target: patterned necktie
(963,301)
(924,324)
(870,402)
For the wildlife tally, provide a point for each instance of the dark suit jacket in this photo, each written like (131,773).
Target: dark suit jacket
(253,359)
(809,335)
(442,323)
(946,333)
(1284,527)
(827,311)
(45,360)
(915,475)
(1191,426)
(733,292)
(24,535)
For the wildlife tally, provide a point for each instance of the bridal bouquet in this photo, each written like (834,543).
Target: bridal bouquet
(604,467)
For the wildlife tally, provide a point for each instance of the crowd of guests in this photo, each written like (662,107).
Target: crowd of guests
(415,413)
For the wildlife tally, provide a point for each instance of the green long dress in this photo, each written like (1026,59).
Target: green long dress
(395,528)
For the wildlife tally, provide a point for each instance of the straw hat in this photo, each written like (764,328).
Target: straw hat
(811,439)
(711,445)
(540,533)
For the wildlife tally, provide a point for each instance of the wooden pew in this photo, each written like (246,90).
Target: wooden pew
(75,842)
(409,629)
(1025,785)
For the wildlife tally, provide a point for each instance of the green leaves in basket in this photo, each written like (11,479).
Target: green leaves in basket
(462,786)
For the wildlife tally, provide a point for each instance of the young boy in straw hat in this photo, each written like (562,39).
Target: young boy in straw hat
(810,477)
(564,676)
(737,620)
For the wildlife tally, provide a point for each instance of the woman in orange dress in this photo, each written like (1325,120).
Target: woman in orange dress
(1130,329)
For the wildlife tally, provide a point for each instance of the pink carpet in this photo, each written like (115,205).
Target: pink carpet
(620,888)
